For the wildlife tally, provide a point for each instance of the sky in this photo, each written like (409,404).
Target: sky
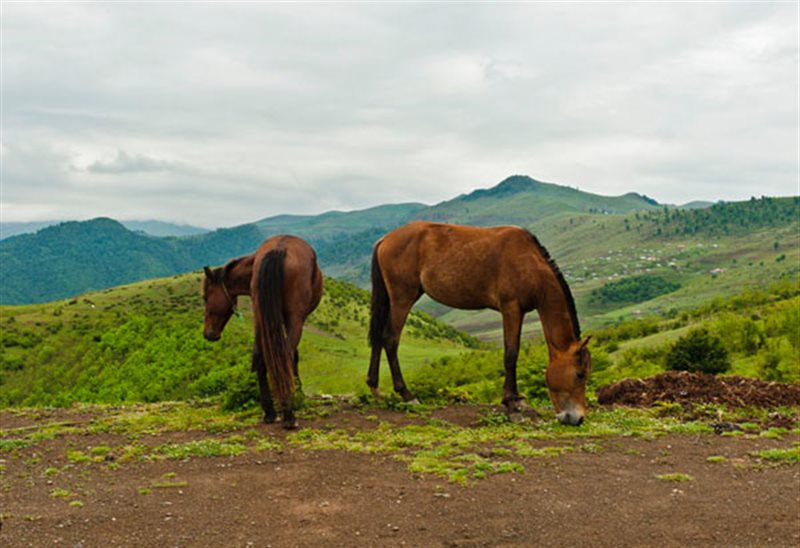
(218,114)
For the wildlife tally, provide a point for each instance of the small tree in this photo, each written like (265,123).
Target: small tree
(699,351)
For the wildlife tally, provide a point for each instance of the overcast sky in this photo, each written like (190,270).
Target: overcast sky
(220,114)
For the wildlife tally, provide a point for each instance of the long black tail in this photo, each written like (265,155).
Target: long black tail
(380,307)
(271,324)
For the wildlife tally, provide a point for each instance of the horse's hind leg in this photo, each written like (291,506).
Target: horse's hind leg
(294,331)
(399,314)
(263,386)
(374,371)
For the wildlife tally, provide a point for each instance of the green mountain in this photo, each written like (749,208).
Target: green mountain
(143,342)
(581,230)
(75,257)
(336,223)
(151,228)
(521,200)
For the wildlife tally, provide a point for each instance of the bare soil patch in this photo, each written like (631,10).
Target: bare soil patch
(610,495)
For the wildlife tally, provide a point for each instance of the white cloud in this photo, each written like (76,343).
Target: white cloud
(127,163)
(220,114)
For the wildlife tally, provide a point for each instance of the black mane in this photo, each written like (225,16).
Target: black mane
(576,327)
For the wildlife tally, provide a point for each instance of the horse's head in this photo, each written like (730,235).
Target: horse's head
(566,378)
(220,305)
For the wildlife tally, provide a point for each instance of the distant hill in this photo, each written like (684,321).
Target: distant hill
(8,230)
(335,223)
(153,228)
(71,258)
(160,228)
(522,200)
(697,204)
(74,257)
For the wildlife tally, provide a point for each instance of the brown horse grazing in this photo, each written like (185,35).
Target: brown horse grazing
(504,268)
(285,283)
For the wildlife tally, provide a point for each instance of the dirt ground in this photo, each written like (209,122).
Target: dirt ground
(298,497)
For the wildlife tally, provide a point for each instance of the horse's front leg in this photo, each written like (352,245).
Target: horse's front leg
(512,327)
(263,386)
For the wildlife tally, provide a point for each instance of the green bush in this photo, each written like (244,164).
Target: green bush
(699,351)
(634,289)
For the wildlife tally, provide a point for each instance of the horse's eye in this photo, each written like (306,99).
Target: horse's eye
(581,375)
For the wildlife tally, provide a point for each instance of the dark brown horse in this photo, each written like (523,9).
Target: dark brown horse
(503,268)
(285,284)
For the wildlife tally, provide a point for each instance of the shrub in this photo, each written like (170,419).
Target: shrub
(699,351)
(634,289)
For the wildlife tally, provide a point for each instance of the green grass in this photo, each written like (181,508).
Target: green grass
(143,343)
(789,454)
(426,446)
(78,457)
(462,454)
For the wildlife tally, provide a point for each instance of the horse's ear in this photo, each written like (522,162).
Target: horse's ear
(585,342)
(209,274)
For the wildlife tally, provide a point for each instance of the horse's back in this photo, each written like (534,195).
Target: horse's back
(302,275)
(460,266)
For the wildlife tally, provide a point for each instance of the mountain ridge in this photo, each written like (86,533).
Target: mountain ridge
(150,227)
(75,257)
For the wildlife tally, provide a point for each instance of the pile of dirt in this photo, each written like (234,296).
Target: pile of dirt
(685,388)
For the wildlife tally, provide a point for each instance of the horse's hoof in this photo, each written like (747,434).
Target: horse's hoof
(516,405)
(291,424)
(414,401)
(376,393)
(269,419)
(517,417)
(521,405)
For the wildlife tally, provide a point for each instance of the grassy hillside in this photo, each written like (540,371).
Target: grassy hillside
(760,329)
(728,248)
(143,342)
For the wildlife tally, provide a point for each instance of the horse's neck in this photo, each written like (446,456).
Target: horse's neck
(556,318)
(237,280)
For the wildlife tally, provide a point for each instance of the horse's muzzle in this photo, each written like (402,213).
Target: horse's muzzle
(212,336)
(570,418)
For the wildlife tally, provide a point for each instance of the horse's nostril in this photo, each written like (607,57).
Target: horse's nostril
(579,422)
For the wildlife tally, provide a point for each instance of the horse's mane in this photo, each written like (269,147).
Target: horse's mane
(576,327)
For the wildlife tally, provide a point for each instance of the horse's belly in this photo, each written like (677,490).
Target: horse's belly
(456,291)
